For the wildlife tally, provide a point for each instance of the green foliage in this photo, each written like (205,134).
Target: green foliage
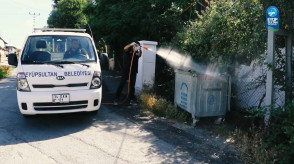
(68,14)
(1,73)
(281,133)
(228,32)
(279,71)
(162,86)
(161,107)
(121,22)
(4,71)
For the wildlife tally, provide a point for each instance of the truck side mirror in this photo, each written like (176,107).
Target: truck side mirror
(12,59)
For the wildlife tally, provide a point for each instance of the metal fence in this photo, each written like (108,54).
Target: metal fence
(250,87)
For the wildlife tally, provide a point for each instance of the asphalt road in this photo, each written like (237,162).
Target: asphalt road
(113,135)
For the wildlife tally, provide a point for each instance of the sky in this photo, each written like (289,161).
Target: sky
(16,22)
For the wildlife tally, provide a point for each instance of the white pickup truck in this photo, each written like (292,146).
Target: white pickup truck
(58,71)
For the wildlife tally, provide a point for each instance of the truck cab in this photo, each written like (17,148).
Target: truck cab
(58,71)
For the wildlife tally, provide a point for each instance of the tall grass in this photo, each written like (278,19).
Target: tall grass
(253,146)
(162,108)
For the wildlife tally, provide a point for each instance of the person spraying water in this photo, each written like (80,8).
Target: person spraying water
(132,54)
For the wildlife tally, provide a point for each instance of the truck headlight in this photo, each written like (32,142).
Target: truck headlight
(96,80)
(22,83)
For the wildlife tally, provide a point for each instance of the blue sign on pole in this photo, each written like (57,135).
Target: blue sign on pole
(272,18)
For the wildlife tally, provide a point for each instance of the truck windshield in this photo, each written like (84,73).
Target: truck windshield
(58,49)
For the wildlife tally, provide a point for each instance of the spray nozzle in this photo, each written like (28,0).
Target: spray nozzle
(137,48)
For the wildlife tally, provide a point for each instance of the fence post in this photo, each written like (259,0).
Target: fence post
(270,72)
(288,69)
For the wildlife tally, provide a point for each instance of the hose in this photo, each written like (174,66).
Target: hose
(129,82)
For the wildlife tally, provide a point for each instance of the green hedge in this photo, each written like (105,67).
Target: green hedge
(4,71)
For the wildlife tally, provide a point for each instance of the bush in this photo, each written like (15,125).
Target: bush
(4,71)
(281,133)
(162,108)
(228,32)
(274,143)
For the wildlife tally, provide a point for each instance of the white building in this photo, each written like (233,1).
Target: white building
(2,47)
(11,49)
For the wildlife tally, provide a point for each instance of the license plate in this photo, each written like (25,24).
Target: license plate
(60,98)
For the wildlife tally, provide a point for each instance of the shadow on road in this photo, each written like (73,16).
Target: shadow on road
(200,145)
(16,129)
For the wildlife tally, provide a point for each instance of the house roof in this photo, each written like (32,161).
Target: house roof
(11,46)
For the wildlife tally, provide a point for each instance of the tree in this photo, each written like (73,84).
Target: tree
(55,3)
(121,22)
(68,14)
(230,32)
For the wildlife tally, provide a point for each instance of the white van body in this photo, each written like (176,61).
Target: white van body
(48,83)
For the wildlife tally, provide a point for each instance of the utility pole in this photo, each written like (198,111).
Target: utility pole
(34,18)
